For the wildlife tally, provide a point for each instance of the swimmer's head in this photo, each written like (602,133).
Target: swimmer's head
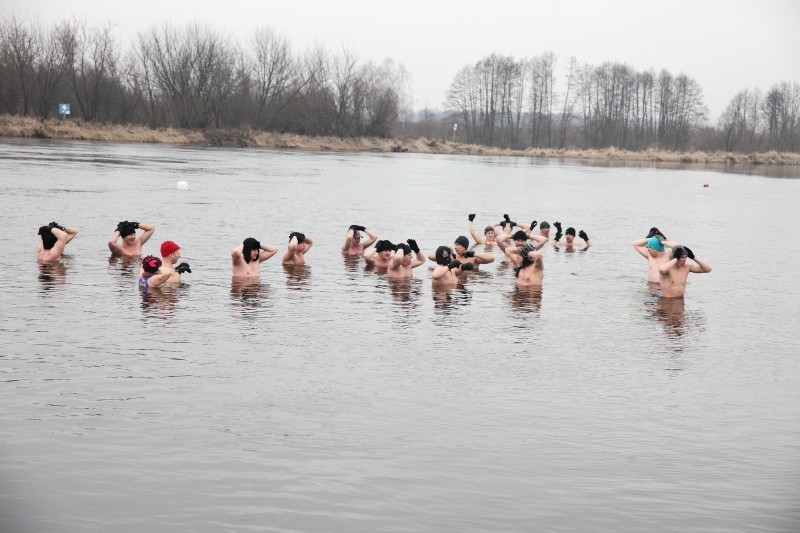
(461,245)
(407,254)
(151,264)
(384,248)
(680,253)
(544,228)
(654,243)
(48,239)
(487,230)
(356,235)
(251,249)
(444,255)
(520,237)
(170,249)
(127,229)
(526,261)
(570,234)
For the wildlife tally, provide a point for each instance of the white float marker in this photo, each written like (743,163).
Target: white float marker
(182,185)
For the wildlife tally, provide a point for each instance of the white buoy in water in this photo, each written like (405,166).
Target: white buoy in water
(182,185)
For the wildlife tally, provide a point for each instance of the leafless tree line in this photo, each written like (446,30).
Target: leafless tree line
(196,77)
(502,101)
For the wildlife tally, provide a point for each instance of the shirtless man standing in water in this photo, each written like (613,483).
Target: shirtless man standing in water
(404,259)
(675,271)
(447,269)
(489,234)
(528,262)
(379,255)
(53,238)
(569,240)
(248,256)
(464,255)
(170,253)
(299,245)
(354,243)
(653,248)
(131,243)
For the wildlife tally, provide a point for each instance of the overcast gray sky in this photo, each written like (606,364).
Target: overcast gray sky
(726,45)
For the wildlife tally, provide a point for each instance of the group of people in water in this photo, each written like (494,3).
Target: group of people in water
(520,244)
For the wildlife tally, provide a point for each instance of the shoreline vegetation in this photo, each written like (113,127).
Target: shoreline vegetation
(76,129)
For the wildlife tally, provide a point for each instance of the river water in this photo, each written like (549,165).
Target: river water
(329,399)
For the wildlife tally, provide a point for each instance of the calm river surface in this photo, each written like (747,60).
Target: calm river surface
(328,399)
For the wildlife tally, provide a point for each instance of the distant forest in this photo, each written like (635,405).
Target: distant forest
(193,76)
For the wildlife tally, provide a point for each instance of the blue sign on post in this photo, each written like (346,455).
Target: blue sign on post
(64,109)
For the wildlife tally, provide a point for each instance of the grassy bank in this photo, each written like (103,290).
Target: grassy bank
(75,129)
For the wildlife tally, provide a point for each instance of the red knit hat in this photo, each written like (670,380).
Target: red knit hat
(167,247)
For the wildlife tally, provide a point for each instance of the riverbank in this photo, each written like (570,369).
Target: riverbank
(75,129)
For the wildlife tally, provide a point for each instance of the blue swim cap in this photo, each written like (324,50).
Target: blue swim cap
(655,243)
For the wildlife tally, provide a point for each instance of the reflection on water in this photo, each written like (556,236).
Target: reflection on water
(352,263)
(127,266)
(447,299)
(771,171)
(671,312)
(161,302)
(297,277)
(249,294)
(52,275)
(527,299)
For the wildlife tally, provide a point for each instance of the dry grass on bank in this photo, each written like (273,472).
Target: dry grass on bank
(75,129)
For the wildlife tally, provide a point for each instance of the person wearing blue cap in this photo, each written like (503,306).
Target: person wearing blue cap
(653,248)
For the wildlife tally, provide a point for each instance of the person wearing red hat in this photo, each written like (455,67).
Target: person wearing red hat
(171,253)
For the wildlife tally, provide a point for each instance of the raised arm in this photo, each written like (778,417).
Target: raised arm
(665,267)
(502,240)
(540,240)
(348,238)
(397,256)
(582,234)
(512,253)
(236,255)
(267,251)
(310,242)
(641,246)
(529,228)
(372,237)
(149,229)
(369,255)
(112,241)
(287,256)
(701,267)
(477,237)
(482,258)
